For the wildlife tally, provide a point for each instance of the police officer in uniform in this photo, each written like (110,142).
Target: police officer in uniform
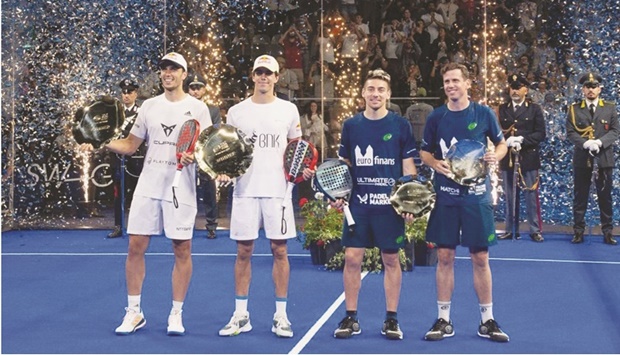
(592,126)
(523,125)
(197,88)
(134,163)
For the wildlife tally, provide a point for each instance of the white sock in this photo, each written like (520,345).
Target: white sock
(281,305)
(486,312)
(241,304)
(177,307)
(443,309)
(133,302)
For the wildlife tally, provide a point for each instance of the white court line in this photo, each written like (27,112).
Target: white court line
(308,255)
(550,260)
(125,254)
(319,323)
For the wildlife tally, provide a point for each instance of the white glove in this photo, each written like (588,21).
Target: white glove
(587,144)
(512,140)
(516,146)
(594,149)
(599,143)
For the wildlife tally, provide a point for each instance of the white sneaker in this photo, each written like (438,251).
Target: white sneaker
(239,323)
(281,326)
(175,324)
(131,322)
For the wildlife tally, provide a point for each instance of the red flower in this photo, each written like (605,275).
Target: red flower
(430,245)
(320,243)
(303,201)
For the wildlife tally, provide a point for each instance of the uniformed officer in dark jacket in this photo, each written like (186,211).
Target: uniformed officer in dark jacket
(592,125)
(523,125)
(134,163)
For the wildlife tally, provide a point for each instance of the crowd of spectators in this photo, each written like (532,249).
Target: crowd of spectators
(410,39)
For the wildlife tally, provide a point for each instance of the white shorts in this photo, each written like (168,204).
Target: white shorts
(149,216)
(249,214)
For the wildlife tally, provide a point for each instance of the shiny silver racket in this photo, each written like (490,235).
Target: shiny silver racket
(333,179)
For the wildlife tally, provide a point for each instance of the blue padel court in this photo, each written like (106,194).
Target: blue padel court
(63,292)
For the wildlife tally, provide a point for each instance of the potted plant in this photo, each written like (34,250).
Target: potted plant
(321,233)
(418,250)
(321,230)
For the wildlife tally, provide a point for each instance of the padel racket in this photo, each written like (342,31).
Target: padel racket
(190,130)
(333,179)
(298,155)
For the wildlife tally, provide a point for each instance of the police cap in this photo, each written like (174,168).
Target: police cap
(128,84)
(518,81)
(591,79)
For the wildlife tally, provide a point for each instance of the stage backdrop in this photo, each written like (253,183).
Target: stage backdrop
(57,56)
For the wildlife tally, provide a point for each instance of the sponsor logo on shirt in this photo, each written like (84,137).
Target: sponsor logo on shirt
(160,161)
(373,199)
(369,159)
(168,129)
(376,181)
(158,142)
(479,189)
(188,113)
(450,190)
(267,140)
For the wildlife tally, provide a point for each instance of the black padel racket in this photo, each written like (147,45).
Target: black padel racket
(298,155)
(333,179)
(190,130)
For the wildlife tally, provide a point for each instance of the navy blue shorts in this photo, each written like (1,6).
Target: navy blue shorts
(384,231)
(471,226)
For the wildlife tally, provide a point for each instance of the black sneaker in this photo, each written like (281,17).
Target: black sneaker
(491,330)
(441,329)
(347,327)
(391,330)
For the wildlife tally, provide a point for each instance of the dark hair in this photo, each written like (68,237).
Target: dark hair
(308,111)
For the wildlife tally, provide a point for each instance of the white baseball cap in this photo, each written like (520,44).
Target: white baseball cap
(174,58)
(266,61)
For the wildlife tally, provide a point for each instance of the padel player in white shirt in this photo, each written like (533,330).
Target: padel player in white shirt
(258,194)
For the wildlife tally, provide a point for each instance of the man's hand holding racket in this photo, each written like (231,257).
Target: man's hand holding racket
(308,173)
(186,158)
(334,180)
(186,141)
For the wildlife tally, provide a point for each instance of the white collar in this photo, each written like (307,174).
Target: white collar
(595,103)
